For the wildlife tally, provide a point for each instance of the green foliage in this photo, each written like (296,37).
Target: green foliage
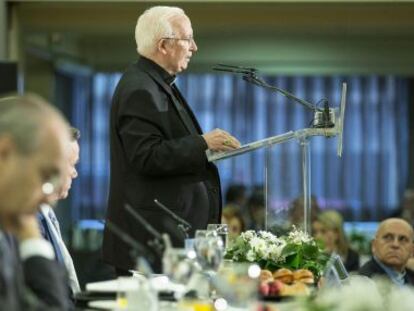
(297,251)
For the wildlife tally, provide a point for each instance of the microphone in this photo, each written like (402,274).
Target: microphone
(249,75)
(137,248)
(235,69)
(183,225)
(252,80)
(157,242)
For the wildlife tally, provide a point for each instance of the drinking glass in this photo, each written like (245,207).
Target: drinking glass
(237,283)
(222,231)
(209,249)
(178,264)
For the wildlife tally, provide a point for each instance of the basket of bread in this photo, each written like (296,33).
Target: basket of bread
(285,283)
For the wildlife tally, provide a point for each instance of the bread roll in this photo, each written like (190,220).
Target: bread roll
(284,275)
(304,276)
(265,276)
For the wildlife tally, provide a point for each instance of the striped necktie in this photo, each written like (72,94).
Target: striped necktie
(52,238)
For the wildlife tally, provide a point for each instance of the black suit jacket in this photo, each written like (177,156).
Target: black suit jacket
(156,152)
(371,269)
(36,284)
(352,261)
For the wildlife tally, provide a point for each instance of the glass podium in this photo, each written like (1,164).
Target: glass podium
(302,138)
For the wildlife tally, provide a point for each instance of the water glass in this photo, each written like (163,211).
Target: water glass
(209,249)
(178,264)
(237,283)
(222,231)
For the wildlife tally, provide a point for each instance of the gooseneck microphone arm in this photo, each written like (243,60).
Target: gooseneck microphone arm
(249,75)
(183,225)
(138,250)
(158,242)
(260,82)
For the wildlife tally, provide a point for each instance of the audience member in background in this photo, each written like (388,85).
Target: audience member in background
(236,196)
(328,228)
(49,225)
(296,211)
(32,140)
(391,249)
(235,222)
(256,209)
(406,210)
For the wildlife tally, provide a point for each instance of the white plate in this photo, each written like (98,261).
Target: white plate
(112,286)
(103,304)
(160,283)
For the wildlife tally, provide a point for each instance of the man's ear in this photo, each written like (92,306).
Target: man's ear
(412,249)
(373,241)
(7,147)
(162,46)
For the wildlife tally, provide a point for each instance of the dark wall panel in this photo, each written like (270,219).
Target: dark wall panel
(8,78)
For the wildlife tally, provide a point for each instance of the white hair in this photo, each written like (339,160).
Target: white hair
(154,24)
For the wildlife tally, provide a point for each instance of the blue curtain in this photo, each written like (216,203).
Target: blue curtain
(368,180)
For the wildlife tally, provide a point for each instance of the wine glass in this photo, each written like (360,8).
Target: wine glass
(209,249)
(237,283)
(222,231)
(178,264)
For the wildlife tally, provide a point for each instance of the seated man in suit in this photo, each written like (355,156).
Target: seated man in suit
(391,249)
(32,139)
(49,225)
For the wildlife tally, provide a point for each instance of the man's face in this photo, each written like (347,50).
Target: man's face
(393,244)
(24,176)
(70,172)
(180,49)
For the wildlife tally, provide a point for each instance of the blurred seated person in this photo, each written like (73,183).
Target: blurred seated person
(406,210)
(296,211)
(49,225)
(328,228)
(236,196)
(391,249)
(256,209)
(234,220)
(33,136)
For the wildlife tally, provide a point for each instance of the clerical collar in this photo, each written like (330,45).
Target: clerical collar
(169,79)
(395,276)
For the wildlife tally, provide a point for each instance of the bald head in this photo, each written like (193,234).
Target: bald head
(395,222)
(393,243)
(33,136)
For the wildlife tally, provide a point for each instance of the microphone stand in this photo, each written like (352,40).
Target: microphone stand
(183,225)
(323,118)
(157,243)
(137,248)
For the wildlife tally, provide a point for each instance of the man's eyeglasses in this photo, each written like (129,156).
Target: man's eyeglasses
(188,40)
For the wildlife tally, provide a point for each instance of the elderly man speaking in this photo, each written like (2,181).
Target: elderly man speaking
(391,249)
(157,146)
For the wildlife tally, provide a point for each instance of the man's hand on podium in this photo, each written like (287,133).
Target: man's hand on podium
(220,140)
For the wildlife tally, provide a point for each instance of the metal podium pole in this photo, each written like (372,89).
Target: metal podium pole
(306,180)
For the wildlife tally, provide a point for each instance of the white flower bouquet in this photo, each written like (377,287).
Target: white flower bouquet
(297,250)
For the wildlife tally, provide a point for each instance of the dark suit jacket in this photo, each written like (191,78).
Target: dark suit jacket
(156,152)
(372,269)
(352,261)
(36,284)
